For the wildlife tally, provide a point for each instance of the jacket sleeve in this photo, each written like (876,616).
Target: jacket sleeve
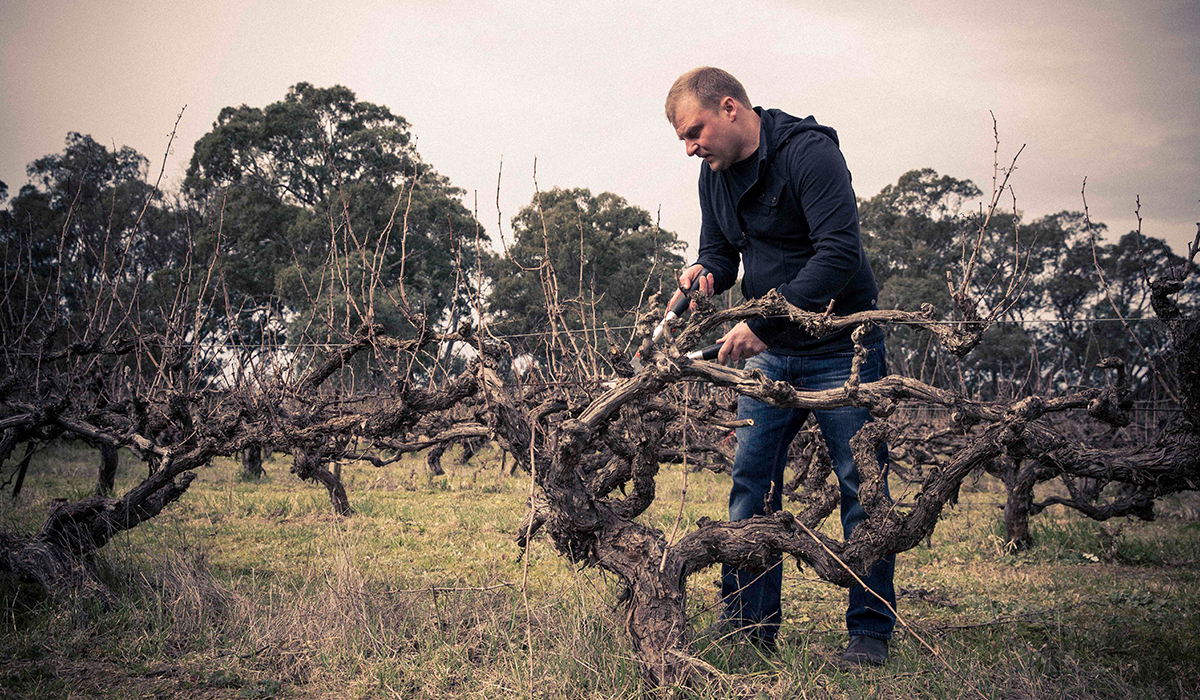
(820,181)
(717,254)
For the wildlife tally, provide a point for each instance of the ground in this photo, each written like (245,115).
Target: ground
(256,590)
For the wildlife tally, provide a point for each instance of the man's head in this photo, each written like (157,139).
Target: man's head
(713,117)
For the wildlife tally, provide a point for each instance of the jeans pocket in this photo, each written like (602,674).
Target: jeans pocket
(772,365)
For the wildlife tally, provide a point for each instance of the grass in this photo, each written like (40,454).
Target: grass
(255,590)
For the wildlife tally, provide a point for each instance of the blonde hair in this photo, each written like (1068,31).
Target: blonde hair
(709,85)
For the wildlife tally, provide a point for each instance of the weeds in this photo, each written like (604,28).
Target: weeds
(254,590)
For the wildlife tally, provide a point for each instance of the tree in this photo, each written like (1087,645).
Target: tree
(915,223)
(591,259)
(300,197)
(593,448)
(1073,276)
(912,232)
(916,230)
(85,238)
(88,215)
(1065,289)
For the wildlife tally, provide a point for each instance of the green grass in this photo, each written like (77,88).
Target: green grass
(255,590)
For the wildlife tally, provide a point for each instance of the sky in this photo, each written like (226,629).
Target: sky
(1104,90)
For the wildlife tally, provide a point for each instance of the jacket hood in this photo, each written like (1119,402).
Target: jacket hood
(778,128)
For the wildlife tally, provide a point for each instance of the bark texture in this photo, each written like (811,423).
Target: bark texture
(593,440)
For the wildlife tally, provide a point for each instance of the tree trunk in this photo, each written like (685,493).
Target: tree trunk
(22,470)
(109,457)
(656,618)
(1019,481)
(307,467)
(252,463)
(52,566)
(433,458)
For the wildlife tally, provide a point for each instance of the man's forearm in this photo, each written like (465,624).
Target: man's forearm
(719,258)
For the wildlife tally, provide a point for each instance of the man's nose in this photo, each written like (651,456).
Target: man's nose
(692,147)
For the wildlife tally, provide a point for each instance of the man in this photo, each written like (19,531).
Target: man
(776,196)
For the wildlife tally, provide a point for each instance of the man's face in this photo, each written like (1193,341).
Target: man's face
(708,134)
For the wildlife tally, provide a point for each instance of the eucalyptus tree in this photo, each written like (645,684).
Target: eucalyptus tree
(322,191)
(579,261)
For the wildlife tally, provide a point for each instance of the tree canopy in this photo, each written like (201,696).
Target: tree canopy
(304,196)
(920,227)
(596,257)
(88,218)
(296,207)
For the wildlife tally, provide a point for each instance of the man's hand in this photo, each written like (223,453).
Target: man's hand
(685,283)
(738,344)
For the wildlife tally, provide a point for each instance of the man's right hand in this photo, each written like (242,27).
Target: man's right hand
(685,283)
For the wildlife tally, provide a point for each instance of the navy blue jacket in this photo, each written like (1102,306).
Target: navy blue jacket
(795,230)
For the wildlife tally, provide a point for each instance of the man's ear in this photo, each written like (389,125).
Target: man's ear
(729,108)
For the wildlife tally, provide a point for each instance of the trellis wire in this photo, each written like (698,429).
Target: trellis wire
(1088,321)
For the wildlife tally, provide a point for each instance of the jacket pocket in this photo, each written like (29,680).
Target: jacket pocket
(770,194)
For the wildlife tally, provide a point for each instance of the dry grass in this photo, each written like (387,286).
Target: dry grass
(254,590)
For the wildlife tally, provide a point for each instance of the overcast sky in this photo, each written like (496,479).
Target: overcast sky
(1108,90)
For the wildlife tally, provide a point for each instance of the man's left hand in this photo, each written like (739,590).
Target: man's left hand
(738,344)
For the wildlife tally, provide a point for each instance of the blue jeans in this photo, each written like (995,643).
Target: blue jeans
(752,598)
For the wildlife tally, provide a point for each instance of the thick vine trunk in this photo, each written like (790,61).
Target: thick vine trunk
(1018,482)
(22,470)
(56,556)
(308,467)
(433,459)
(337,492)
(656,616)
(109,458)
(252,462)
(52,566)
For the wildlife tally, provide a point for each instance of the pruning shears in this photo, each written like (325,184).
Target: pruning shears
(678,309)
